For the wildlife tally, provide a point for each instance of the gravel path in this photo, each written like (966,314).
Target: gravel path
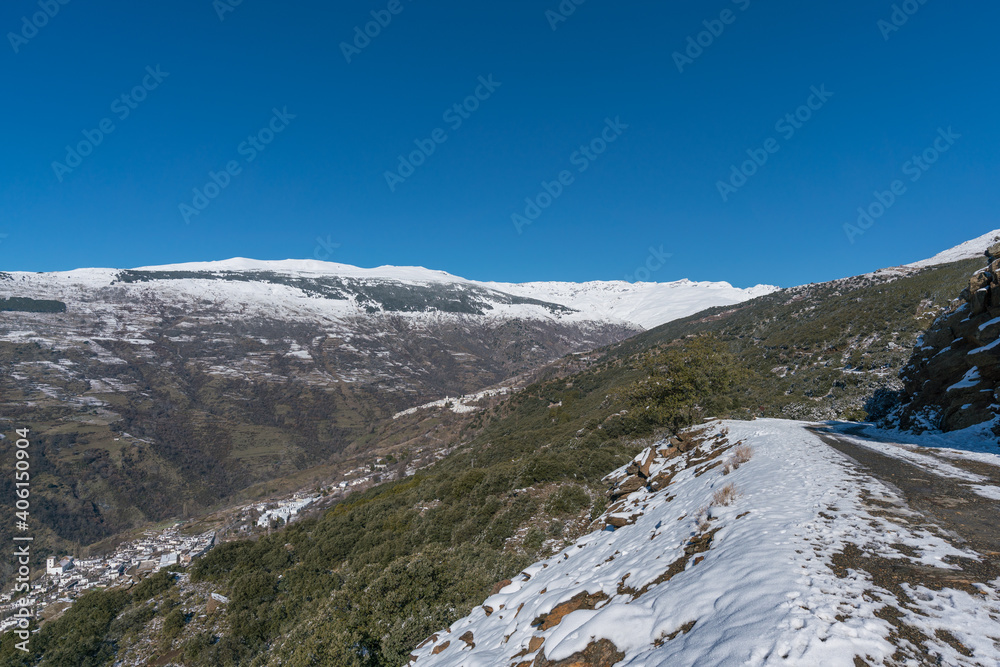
(945,506)
(949,503)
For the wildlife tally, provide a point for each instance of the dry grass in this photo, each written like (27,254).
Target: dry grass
(725,496)
(741,455)
(703,520)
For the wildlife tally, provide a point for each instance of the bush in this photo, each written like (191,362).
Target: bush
(152,586)
(686,382)
(534,539)
(174,623)
(727,495)
(741,455)
(568,500)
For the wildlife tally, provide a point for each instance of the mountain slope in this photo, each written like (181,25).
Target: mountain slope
(162,392)
(969,250)
(952,381)
(368,581)
(710,562)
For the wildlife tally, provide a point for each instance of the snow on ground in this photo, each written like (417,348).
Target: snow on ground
(967,250)
(749,583)
(911,454)
(976,443)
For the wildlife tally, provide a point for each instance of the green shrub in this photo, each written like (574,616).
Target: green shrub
(534,539)
(568,500)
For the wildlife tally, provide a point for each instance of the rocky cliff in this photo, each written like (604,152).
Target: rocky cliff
(952,381)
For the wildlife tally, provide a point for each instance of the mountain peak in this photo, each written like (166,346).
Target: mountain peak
(968,250)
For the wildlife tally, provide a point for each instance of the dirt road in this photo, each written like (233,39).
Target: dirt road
(940,504)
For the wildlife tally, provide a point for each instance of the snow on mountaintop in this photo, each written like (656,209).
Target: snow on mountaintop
(313,266)
(647,304)
(693,575)
(639,305)
(968,250)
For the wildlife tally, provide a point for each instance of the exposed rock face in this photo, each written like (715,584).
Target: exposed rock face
(598,654)
(952,381)
(580,601)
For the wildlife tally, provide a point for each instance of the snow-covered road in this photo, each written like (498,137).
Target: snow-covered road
(815,561)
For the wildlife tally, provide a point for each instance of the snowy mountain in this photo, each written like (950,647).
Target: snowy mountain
(647,305)
(195,381)
(308,289)
(968,250)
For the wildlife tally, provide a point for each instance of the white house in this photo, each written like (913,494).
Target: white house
(166,560)
(58,568)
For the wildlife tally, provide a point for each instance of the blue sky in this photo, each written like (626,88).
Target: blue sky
(319,188)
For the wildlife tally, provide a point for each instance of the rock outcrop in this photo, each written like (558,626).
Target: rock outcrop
(952,381)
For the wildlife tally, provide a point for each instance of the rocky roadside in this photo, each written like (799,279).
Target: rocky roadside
(953,379)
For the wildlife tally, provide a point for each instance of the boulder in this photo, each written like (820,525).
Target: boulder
(980,280)
(563,609)
(499,586)
(601,653)
(621,521)
(980,301)
(943,359)
(630,485)
(646,463)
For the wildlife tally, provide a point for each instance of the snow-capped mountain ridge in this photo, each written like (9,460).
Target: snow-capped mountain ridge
(289,287)
(313,266)
(968,250)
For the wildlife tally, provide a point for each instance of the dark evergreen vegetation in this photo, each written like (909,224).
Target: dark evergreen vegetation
(25,305)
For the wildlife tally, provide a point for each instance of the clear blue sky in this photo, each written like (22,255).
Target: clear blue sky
(324,175)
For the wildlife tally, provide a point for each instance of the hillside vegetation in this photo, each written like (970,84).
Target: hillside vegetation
(16,304)
(366,582)
(154,413)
